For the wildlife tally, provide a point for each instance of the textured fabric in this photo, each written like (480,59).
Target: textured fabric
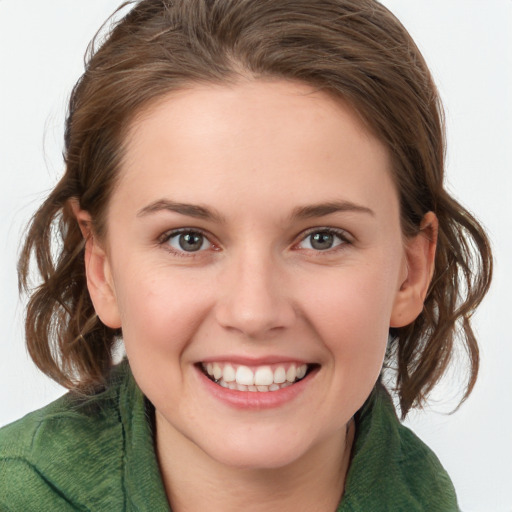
(391,469)
(93,454)
(96,454)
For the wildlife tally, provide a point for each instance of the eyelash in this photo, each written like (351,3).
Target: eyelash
(166,237)
(340,234)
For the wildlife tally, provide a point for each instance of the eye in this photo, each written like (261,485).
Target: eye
(187,241)
(323,239)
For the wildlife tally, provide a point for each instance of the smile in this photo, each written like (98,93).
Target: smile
(256,379)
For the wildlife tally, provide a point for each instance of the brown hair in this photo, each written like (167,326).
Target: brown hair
(354,49)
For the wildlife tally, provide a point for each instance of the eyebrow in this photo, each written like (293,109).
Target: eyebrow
(322,209)
(301,212)
(190,210)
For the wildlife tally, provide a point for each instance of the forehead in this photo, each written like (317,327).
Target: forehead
(280,139)
(248,104)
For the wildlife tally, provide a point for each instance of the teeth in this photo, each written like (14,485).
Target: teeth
(244,376)
(264,376)
(291,374)
(263,379)
(301,371)
(229,374)
(280,375)
(217,371)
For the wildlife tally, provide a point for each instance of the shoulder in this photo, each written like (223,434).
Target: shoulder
(52,455)
(392,469)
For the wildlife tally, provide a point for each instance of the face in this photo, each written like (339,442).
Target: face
(255,262)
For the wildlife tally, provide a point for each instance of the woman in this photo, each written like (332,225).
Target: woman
(254,201)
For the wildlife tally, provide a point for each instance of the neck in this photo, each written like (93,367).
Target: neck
(194,481)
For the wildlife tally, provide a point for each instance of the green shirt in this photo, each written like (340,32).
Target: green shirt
(96,454)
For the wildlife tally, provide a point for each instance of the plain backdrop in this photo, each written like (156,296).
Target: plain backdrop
(469,48)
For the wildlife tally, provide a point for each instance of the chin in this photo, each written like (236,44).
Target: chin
(260,461)
(272,452)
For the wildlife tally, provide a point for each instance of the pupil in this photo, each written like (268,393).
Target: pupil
(322,241)
(191,241)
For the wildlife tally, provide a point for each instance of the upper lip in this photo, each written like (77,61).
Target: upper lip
(254,361)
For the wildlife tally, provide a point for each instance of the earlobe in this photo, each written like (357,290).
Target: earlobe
(97,268)
(419,263)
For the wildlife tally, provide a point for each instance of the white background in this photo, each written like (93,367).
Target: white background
(468,44)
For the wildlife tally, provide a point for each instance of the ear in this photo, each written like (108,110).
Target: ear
(97,268)
(420,252)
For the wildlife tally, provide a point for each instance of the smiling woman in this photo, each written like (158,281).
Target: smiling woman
(247,289)
(253,202)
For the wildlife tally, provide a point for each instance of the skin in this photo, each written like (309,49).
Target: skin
(255,155)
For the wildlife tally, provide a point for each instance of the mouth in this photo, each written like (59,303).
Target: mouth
(258,379)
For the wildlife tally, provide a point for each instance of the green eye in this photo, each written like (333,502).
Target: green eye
(322,240)
(188,241)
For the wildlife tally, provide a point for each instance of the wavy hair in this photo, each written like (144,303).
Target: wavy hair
(352,49)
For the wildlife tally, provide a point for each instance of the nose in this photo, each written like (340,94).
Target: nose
(254,298)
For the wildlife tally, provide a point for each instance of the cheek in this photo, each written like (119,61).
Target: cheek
(351,311)
(159,311)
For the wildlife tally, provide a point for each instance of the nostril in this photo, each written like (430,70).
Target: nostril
(255,320)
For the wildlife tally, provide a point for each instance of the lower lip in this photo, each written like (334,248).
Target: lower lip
(256,399)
